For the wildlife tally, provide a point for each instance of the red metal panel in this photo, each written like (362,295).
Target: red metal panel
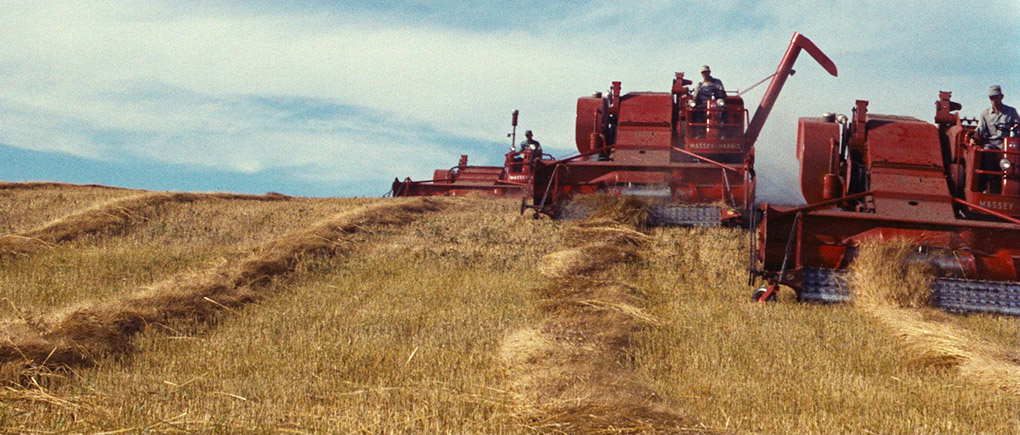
(479,173)
(646,108)
(645,120)
(643,155)
(814,136)
(645,137)
(907,194)
(591,113)
(902,140)
(1007,204)
(825,236)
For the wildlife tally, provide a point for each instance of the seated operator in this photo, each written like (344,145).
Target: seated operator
(709,88)
(530,143)
(993,127)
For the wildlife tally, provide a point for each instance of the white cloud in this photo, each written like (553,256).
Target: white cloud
(178,80)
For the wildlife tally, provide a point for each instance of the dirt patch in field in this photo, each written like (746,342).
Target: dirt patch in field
(79,336)
(109,217)
(895,292)
(572,370)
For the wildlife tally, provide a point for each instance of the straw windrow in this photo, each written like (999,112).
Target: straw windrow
(4,185)
(79,337)
(895,292)
(112,216)
(571,369)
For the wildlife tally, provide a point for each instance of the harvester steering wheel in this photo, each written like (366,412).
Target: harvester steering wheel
(1012,127)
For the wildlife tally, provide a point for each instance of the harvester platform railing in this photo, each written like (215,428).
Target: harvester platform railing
(590,153)
(707,160)
(998,153)
(987,210)
(826,203)
(712,127)
(981,154)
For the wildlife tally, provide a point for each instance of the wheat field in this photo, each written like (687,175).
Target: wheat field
(144,312)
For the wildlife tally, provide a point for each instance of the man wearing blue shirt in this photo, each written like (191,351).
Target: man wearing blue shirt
(709,88)
(996,121)
(994,125)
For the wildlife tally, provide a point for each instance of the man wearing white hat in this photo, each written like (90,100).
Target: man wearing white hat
(994,125)
(995,121)
(709,88)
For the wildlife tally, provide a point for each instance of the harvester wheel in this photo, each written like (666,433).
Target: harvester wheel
(756,296)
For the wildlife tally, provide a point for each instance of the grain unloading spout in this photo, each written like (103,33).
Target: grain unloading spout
(797,43)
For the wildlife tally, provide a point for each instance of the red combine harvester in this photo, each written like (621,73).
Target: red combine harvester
(695,160)
(880,177)
(511,179)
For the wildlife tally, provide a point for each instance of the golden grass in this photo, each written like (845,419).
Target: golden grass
(572,370)
(399,334)
(24,206)
(627,210)
(102,329)
(794,368)
(182,236)
(444,324)
(109,217)
(895,292)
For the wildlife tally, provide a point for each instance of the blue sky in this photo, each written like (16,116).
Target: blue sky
(338,98)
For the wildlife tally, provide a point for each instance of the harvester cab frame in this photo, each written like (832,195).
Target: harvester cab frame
(987,180)
(875,177)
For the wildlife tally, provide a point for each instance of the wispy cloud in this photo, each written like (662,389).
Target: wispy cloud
(361,91)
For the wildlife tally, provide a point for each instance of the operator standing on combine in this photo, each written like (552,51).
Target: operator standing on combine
(993,126)
(995,121)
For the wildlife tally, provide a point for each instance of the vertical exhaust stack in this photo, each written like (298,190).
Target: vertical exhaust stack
(797,43)
(513,134)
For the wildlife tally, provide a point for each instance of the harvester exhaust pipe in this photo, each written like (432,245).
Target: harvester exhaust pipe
(513,134)
(785,69)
